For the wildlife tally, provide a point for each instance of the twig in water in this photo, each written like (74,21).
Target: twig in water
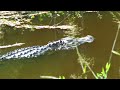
(49,77)
(7,46)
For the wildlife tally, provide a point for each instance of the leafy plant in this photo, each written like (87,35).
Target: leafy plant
(104,72)
(61,77)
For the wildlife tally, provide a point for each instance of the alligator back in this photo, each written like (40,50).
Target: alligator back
(27,52)
(34,51)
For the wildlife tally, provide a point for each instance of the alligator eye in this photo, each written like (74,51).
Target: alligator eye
(90,39)
(60,41)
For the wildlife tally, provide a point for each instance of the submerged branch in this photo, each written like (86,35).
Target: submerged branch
(49,77)
(13,45)
(54,27)
(18,24)
(45,27)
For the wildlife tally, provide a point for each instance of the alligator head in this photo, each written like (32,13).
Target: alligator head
(70,42)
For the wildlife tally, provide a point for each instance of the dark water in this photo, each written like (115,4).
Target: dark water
(63,63)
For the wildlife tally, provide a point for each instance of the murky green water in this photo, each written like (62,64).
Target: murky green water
(63,62)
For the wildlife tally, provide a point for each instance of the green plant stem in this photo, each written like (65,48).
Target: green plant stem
(114,42)
(81,60)
(91,70)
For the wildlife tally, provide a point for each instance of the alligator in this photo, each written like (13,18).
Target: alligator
(35,51)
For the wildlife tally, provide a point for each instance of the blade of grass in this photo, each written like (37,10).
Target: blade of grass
(114,42)
(81,60)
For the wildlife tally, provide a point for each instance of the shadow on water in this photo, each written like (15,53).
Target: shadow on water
(63,62)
